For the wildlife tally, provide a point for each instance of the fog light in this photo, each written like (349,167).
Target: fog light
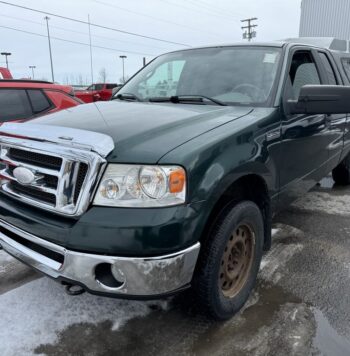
(104,275)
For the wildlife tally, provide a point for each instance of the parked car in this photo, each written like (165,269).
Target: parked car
(155,192)
(116,89)
(5,73)
(26,99)
(96,92)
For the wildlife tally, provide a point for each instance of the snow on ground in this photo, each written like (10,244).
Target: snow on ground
(6,262)
(274,232)
(37,311)
(325,202)
(275,260)
(5,257)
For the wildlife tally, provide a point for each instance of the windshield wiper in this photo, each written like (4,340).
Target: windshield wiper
(126,96)
(176,99)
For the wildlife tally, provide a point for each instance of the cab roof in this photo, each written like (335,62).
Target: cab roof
(34,84)
(330,43)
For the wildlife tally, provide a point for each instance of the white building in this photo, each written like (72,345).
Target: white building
(325,18)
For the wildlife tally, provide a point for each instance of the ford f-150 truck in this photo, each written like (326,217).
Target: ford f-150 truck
(173,184)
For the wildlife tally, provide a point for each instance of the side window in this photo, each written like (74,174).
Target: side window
(110,86)
(346,66)
(14,105)
(98,87)
(332,80)
(302,71)
(39,101)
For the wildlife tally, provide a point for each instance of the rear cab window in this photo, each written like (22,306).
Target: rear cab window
(346,66)
(111,86)
(332,79)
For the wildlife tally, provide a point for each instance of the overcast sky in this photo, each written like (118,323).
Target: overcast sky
(191,22)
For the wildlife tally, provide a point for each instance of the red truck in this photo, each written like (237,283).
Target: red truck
(5,73)
(96,92)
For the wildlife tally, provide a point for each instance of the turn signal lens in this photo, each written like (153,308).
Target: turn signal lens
(177,181)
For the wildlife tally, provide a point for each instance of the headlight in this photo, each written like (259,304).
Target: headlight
(127,185)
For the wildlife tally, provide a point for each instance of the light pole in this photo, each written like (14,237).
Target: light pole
(123,58)
(32,68)
(48,37)
(6,54)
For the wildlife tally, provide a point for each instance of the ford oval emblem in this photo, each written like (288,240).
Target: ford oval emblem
(24,175)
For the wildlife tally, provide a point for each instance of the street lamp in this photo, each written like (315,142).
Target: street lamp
(123,58)
(32,68)
(6,54)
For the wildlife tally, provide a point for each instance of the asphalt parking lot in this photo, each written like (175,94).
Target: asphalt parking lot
(301,305)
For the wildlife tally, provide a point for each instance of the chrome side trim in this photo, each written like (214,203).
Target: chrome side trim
(144,276)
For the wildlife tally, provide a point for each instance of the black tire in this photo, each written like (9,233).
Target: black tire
(341,173)
(207,285)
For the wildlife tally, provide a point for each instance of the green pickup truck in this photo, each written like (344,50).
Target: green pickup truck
(173,183)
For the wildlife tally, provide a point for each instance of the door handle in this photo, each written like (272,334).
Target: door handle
(273,135)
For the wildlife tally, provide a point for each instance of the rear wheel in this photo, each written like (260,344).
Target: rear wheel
(341,173)
(230,260)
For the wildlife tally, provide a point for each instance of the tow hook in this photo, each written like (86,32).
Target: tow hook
(73,289)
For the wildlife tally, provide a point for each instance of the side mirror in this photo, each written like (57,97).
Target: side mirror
(321,99)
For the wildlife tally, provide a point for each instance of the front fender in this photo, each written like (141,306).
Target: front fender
(221,156)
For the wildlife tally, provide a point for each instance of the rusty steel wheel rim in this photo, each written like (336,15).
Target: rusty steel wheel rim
(237,260)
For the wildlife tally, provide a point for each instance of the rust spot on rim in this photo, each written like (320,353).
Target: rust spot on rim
(237,260)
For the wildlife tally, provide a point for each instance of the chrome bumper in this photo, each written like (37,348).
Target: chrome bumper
(146,276)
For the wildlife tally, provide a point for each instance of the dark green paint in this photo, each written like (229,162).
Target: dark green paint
(216,145)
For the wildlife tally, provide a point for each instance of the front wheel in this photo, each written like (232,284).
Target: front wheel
(230,260)
(341,173)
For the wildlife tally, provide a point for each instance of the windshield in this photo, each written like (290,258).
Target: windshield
(232,75)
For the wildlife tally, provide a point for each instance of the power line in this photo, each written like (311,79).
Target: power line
(80,32)
(94,24)
(249,33)
(198,9)
(213,11)
(153,17)
(222,11)
(76,42)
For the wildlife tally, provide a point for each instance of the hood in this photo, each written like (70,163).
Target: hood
(144,132)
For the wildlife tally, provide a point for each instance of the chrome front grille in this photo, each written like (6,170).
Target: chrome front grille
(63,176)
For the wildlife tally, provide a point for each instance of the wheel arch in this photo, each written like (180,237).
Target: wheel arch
(250,186)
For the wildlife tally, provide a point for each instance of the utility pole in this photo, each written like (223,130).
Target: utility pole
(144,61)
(91,66)
(123,58)
(48,37)
(6,54)
(249,33)
(32,68)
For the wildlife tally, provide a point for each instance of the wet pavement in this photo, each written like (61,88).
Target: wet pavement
(301,305)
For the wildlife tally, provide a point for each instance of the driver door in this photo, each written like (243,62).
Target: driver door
(305,138)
